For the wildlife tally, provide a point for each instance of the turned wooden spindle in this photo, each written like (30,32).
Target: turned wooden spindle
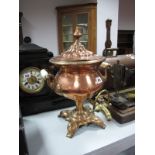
(108,42)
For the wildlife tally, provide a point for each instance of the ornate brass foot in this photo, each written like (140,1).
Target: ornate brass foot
(103,108)
(99,104)
(79,118)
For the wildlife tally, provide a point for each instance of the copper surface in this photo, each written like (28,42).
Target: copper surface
(78,79)
(73,80)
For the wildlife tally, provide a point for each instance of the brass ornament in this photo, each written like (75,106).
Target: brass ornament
(78,79)
(101,103)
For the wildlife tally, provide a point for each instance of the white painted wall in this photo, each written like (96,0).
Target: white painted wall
(40,21)
(126,20)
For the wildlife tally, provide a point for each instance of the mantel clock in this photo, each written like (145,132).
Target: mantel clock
(34,94)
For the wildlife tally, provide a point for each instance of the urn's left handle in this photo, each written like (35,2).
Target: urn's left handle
(47,77)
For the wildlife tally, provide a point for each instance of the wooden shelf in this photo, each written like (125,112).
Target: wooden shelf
(125,41)
(67,41)
(67,25)
(125,37)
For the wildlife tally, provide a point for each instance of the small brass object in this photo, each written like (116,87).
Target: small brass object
(103,108)
(100,105)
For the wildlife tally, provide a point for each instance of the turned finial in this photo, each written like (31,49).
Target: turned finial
(77,33)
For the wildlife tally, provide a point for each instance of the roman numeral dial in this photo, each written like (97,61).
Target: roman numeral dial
(30,80)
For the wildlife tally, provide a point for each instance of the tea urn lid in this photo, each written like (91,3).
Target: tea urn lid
(76,54)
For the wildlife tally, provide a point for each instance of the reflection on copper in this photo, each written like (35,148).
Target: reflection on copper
(88,80)
(76,82)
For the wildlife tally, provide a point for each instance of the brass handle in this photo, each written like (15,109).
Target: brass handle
(104,110)
(105,66)
(101,92)
(44,73)
(48,77)
(103,106)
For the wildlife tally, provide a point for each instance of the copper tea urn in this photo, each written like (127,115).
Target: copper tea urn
(78,79)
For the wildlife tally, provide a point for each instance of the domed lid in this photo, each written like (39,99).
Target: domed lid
(76,54)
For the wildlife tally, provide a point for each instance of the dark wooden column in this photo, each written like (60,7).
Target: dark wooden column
(108,42)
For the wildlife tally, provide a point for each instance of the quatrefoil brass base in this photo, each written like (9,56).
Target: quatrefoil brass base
(77,119)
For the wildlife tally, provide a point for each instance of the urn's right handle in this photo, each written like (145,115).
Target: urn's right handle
(105,66)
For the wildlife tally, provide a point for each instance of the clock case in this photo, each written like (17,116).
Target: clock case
(32,55)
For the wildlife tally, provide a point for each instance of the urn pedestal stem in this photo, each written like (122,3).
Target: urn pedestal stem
(79,104)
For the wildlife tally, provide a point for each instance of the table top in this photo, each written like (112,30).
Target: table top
(46,135)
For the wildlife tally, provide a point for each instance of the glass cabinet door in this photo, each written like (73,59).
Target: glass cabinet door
(82,15)
(67,31)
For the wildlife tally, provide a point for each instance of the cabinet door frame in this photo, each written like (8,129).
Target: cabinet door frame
(74,10)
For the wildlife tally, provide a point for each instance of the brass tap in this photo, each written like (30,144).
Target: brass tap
(101,105)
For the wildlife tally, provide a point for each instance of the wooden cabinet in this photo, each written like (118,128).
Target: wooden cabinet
(83,16)
(125,38)
(125,41)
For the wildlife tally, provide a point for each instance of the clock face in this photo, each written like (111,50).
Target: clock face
(30,80)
